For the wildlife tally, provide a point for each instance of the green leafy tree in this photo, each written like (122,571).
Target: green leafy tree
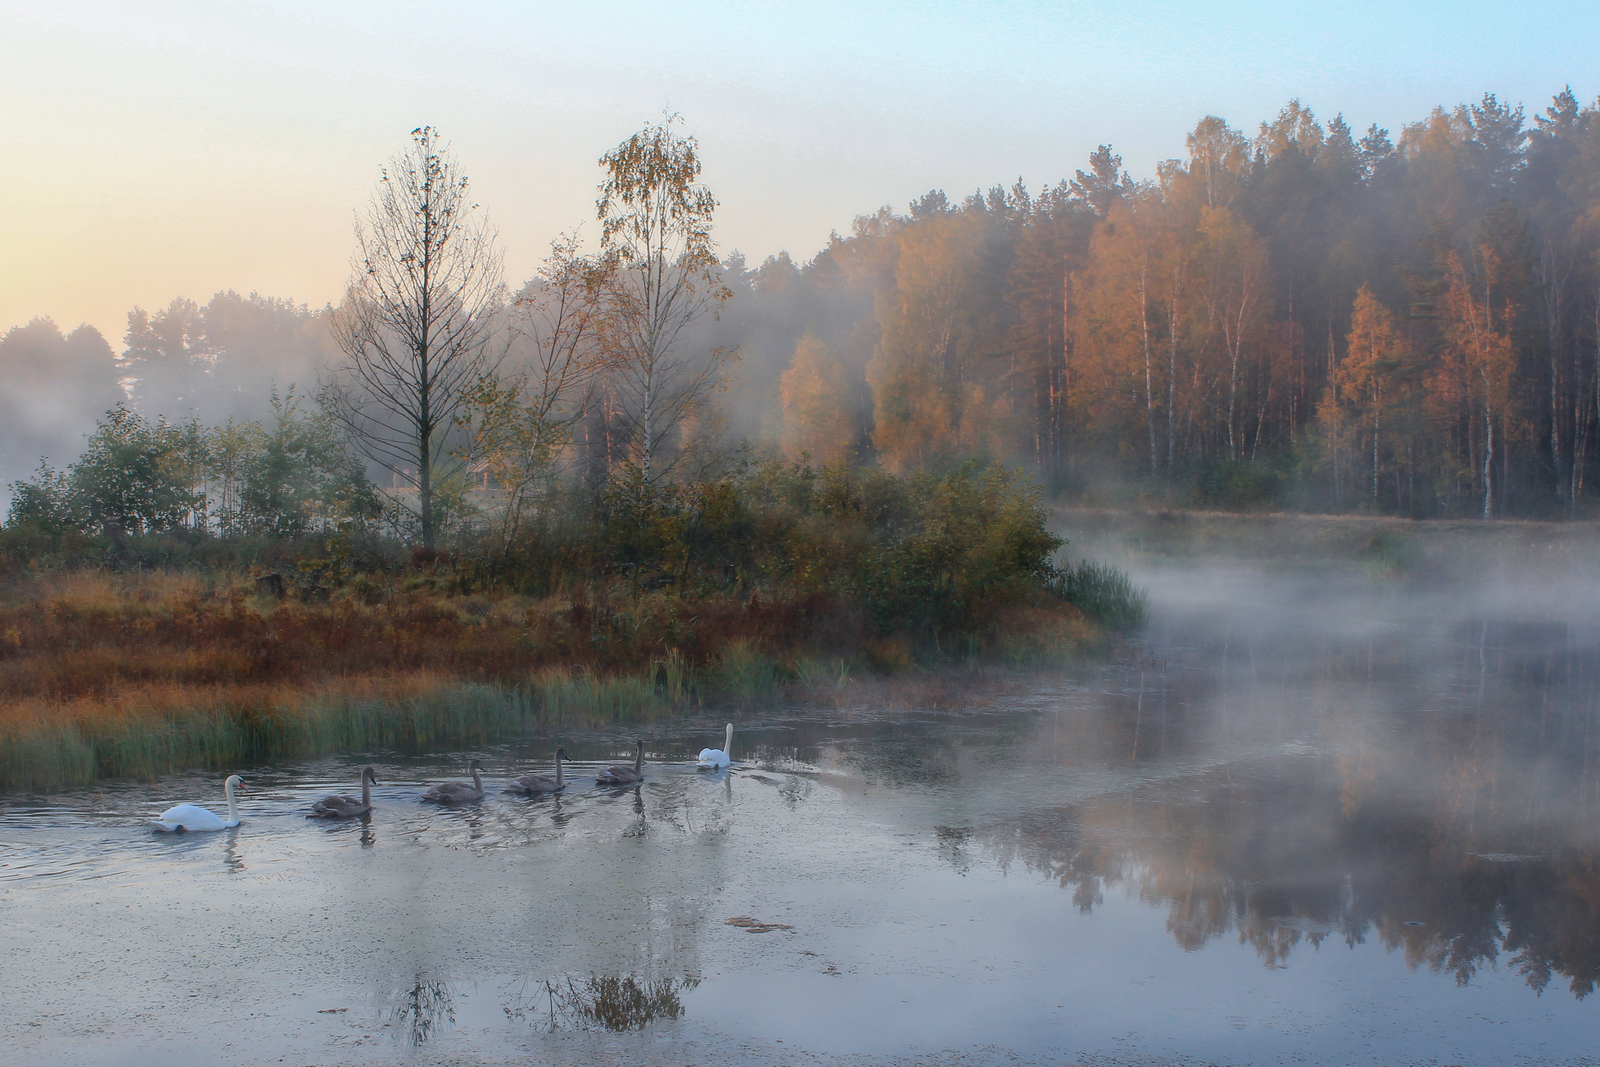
(291,477)
(141,475)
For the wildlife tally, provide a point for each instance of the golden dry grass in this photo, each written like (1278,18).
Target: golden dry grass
(139,674)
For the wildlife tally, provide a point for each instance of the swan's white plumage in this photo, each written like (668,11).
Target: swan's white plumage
(719,758)
(192,818)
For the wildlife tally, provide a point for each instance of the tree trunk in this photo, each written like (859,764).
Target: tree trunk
(1488,462)
(1377,412)
(425,394)
(1149,396)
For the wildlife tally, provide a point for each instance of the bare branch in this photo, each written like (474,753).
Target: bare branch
(418,321)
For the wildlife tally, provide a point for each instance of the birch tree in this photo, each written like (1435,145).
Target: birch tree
(1235,277)
(1479,341)
(662,278)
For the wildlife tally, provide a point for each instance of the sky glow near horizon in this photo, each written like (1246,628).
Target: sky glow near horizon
(183,148)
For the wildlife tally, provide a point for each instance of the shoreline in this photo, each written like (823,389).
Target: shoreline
(150,674)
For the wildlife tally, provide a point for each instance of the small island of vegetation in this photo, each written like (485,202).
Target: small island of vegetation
(501,512)
(141,633)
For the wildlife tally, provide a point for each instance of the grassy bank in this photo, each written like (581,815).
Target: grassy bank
(137,675)
(158,652)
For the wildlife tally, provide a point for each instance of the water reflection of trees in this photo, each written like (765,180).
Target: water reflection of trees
(1271,854)
(1440,800)
(613,1002)
(425,1007)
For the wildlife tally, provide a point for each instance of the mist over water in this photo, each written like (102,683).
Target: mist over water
(1335,804)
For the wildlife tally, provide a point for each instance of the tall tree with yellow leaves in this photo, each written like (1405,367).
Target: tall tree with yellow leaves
(1369,368)
(662,277)
(815,391)
(927,376)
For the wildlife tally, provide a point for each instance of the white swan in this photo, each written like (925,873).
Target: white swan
(719,758)
(193,818)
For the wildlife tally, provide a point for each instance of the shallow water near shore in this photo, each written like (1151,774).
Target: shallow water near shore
(1317,815)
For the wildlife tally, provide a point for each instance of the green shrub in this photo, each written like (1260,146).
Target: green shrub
(1393,551)
(1238,486)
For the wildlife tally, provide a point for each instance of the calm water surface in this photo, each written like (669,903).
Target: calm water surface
(1314,817)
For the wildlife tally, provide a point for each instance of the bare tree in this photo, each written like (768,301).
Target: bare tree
(662,277)
(417,320)
(519,422)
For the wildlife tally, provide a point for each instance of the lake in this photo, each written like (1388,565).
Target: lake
(1327,813)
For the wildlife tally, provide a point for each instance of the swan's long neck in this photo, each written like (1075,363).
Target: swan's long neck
(558,770)
(233,803)
(366,791)
(638,760)
(727,744)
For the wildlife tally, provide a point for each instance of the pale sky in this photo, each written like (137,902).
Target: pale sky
(162,149)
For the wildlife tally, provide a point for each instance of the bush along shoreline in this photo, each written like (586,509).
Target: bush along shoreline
(138,654)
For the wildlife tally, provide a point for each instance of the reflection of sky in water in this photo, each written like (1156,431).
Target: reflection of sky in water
(1354,824)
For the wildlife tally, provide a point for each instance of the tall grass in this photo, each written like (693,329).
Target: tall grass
(745,673)
(1107,595)
(568,698)
(820,675)
(1393,552)
(70,746)
(76,744)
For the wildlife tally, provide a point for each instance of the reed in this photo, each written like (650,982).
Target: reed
(1107,595)
(745,673)
(823,675)
(153,734)
(47,747)
(580,699)
(140,673)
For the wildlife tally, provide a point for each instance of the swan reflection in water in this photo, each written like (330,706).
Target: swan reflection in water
(640,825)
(425,1008)
(559,815)
(367,835)
(230,852)
(618,1003)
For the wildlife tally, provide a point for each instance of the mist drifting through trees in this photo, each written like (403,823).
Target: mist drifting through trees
(1306,317)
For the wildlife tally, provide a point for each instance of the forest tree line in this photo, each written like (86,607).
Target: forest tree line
(1307,317)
